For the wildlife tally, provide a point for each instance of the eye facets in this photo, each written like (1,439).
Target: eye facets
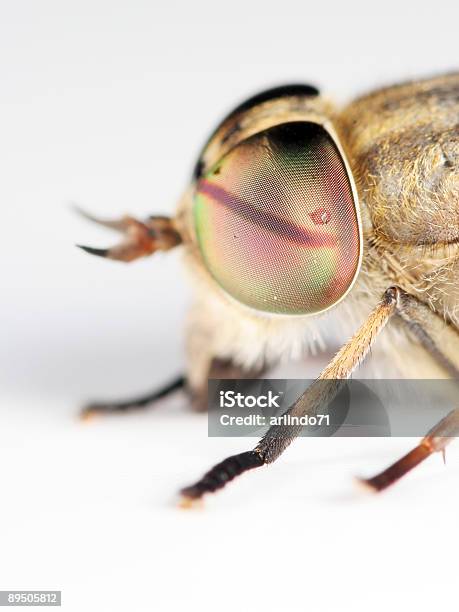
(276,221)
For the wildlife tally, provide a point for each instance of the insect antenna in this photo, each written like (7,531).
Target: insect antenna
(141,238)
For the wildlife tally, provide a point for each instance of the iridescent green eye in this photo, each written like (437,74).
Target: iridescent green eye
(276,221)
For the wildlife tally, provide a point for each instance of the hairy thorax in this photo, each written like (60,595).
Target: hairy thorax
(403,144)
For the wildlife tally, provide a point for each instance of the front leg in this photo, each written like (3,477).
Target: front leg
(130,405)
(278,438)
(219,368)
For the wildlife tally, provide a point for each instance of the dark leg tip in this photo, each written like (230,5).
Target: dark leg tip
(192,493)
(86,414)
(221,474)
(370,485)
(93,410)
(93,251)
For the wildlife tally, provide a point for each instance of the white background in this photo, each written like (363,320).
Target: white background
(107,104)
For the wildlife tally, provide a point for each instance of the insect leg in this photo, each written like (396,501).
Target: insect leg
(433,332)
(137,403)
(438,337)
(141,238)
(435,441)
(321,392)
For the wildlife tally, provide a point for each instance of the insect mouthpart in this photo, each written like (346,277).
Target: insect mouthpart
(277,221)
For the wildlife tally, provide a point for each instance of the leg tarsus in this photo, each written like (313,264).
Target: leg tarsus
(435,441)
(398,469)
(221,474)
(99,408)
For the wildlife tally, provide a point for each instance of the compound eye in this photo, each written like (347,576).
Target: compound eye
(276,221)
